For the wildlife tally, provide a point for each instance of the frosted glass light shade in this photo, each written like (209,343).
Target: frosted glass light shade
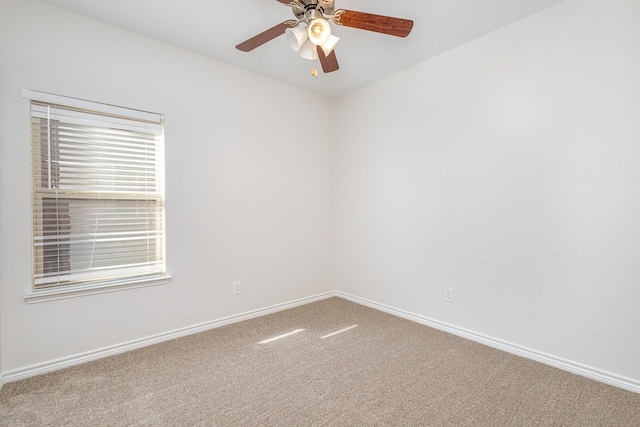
(308,51)
(319,31)
(331,43)
(296,37)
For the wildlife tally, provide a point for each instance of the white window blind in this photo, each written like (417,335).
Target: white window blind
(97,196)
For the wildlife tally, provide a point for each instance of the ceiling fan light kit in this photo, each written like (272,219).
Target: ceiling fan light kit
(299,41)
(310,34)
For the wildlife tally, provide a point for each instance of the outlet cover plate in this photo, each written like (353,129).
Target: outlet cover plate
(237,288)
(448,294)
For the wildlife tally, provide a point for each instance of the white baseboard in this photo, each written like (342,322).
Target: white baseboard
(54,365)
(566,365)
(557,362)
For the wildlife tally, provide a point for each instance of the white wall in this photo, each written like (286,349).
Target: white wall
(509,170)
(247,198)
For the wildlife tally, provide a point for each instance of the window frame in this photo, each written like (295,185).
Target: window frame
(107,284)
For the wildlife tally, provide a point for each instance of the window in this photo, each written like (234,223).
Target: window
(97,195)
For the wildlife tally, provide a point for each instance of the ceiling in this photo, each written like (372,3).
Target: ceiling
(214,27)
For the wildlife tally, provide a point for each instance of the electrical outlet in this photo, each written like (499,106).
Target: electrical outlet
(448,294)
(237,288)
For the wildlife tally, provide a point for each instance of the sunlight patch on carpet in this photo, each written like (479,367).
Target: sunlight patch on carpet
(288,334)
(339,332)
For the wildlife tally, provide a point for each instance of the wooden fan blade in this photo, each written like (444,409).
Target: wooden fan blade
(329,63)
(368,21)
(287,2)
(265,36)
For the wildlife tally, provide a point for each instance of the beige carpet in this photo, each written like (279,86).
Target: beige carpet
(385,371)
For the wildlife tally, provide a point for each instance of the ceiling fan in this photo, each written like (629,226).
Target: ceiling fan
(310,33)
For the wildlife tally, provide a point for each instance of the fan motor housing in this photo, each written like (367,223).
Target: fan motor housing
(303,9)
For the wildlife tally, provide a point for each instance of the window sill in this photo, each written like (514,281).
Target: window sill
(57,294)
